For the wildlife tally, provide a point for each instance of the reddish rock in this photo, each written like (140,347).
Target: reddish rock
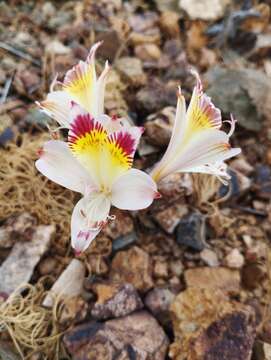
(137,336)
(133,266)
(115,300)
(169,218)
(206,323)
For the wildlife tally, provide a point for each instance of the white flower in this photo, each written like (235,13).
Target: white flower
(197,144)
(80,86)
(97,163)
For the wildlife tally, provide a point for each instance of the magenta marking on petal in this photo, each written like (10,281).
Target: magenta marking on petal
(124,141)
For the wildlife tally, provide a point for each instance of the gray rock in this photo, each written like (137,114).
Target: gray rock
(115,300)
(191,231)
(158,301)
(245,93)
(18,268)
(123,242)
(137,336)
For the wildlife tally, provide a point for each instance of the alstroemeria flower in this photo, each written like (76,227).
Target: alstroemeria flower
(97,164)
(197,144)
(80,86)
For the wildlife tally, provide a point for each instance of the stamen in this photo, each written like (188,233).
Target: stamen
(157,195)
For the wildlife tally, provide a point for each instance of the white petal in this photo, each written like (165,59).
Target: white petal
(205,147)
(57,106)
(134,190)
(59,165)
(101,83)
(81,234)
(97,208)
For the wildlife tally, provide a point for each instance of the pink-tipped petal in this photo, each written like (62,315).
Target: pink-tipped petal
(134,190)
(81,234)
(58,164)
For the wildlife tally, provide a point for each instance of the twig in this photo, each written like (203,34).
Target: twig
(6,90)
(19,53)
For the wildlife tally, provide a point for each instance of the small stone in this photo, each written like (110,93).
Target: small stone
(235,259)
(115,300)
(131,70)
(240,164)
(123,242)
(191,231)
(56,47)
(170,217)
(158,127)
(262,351)
(204,9)
(169,22)
(209,257)
(148,52)
(263,181)
(18,268)
(17,228)
(160,269)
(122,225)
(158,301)
(111,44)
(74,309)
(221,278)
(69,284)
(206,323)
(47,266)
(135,336)
(133,266)
(176,267)
(238,184)
(252,275)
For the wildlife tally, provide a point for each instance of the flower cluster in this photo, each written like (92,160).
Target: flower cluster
(96,160)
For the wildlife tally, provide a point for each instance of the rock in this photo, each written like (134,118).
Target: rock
(191,231)
(122,225)
(263,181)
(155,96)
(262,351)
(69,284)
(221,278)
(238,184)
(123,242)
(176,267)
(73,310)
(252,89)
(115,300)
(169,22)
(136,336)
(158,127)
(56,47)
(206,323)
(17,228)
(174,186)
(7,352)
(133,266)
(18,268)
(148,52)
(131,70)
(158,301)
(204,9)
(209,257)
(111,44)
(47,266)
(252,275)
(240,164)
(160,269)
(170,217)
(235,259)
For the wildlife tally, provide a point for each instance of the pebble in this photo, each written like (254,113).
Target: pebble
(170,217)
(206,323)
(133,266)
(131,70)
(158,301)
(147,52)
(123,242)
(69,284)
(191,231)
(204,9)
(235,259)
(115,300)
(18,267)
(135,336)
(221,278)
(209,257)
